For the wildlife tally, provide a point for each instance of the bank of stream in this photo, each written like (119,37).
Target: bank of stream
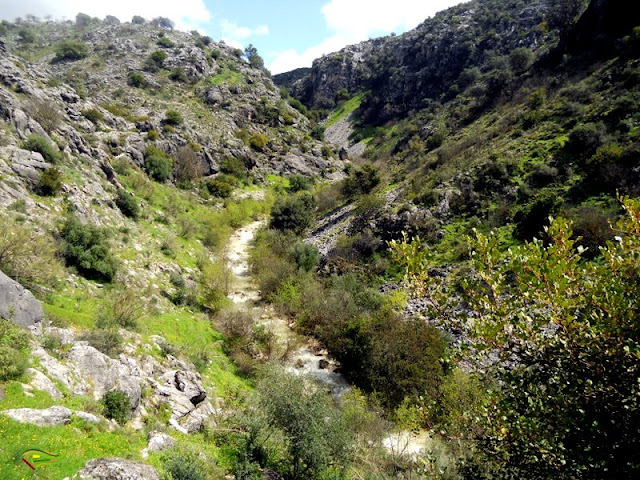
(302,355)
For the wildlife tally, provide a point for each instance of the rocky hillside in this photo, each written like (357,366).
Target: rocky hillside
(439,57)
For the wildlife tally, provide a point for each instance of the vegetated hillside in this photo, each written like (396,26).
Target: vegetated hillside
(536,317)
(129,153)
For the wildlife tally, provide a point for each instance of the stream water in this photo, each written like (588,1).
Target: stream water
(302,356)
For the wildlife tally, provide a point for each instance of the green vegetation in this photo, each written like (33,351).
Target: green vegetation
(345,110)
(258,141)
(71,50)
(158,164)
(43,146)
(127,204)
(116,405)
(14,350)
(86,247)
(136,79)
(293,213)
(226,76)
(50,182)
(173,117)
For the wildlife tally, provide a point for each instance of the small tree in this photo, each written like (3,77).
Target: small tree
(520,60)
(187,165)
(173,117)
(158,164)
(83,20)
(127,204)
(136,79)
(71,50)
(50,182)
(293,213)
(116,404)
(45,113)
(178,75)
(255,60)
(138,20)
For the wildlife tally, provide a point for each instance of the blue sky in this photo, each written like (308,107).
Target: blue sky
(287,33)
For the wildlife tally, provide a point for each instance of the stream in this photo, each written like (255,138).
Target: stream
(302,355)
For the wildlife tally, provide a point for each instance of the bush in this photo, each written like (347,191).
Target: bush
(45,113)
(361,181)
(136,79)
(258,141)
(165,42)
(37,143)
(531,219)
(158,164)
(520,60)
(127,204)
(87,248)
(138,20)
(116,404)
(233,166)
(298,183)
(71,50)
(50,182)
(214,282)
(155,61)
(293,213)
(14,353)
(220,187)
(93,115)
(122,308)
(108,342)
(183,464)
(306,256)
(172,117)
(178,75)
(187,165)
(585,139)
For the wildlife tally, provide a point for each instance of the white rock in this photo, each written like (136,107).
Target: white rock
(41,382)
(46,418)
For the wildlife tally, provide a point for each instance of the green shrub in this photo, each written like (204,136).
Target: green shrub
(93,115)
(27,257)
(520,60)
(138,20)
(233,166)
(37,143)
(293,213)
(71,50)
(178,75)
(50,182)
(153,135)
(136,79)
(184,464)
(258,141)
(26,35)
(14,353)
(127,204)
(298,183)
(87,248)
(361,181)
(108,342)
(155,61)
(116,404)
(172,117)
(306,256)
(220,187)
(122,308)
(158,164)
(165,42)
(45,113)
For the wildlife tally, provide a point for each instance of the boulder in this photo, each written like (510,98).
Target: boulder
(41,382)
(49,417)
(87,417)
(160,441)
(117,469)
(18,304)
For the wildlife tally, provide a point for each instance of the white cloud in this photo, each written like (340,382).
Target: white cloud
(233,30)
(188,14)
(352,21)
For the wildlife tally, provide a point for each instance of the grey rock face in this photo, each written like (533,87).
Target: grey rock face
(117,469)
(49,417)
(18,304)
(41,382)
(160,441)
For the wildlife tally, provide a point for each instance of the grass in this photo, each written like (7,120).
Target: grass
(73,449)
(347,108)
(226,75)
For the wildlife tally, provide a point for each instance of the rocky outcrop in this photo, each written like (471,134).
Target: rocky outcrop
(40,381)
(18,304)
(160,441)
(117,469)
(50,417)
(403,72)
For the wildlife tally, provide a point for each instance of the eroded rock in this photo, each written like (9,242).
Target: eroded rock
(117,469)
(49,417)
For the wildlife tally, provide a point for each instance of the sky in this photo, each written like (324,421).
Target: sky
(288,34)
